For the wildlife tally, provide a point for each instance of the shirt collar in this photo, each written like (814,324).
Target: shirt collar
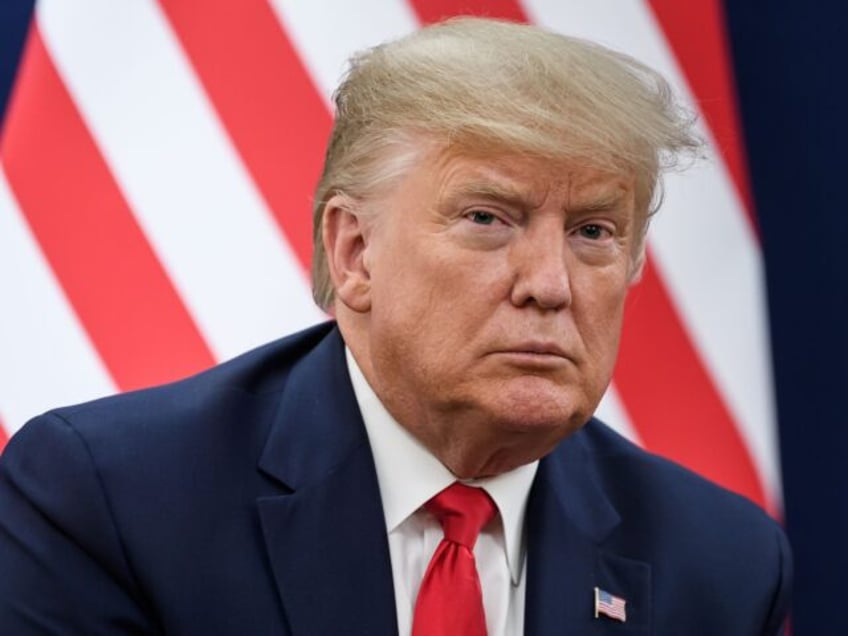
(409,475)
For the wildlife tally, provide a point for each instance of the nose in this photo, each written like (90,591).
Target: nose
(541,272)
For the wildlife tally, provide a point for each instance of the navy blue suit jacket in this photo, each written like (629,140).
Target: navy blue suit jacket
(245,501)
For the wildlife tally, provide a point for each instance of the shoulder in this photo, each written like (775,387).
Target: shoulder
(115,490)
(215,422)
(700,539)
(211,398)
(641,484)
(147,453)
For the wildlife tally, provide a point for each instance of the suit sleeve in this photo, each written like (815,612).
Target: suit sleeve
(776,623)
(64,568)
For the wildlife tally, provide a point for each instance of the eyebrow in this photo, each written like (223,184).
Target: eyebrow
(514,196)
(490,191)
(602,204)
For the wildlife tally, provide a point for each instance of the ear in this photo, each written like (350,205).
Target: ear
(345,238)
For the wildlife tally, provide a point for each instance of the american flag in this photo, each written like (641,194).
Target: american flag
(610,606)
(157,161)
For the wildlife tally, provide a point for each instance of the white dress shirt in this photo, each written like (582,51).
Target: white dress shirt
(408,476)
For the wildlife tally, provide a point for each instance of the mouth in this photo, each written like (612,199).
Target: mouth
(541,348)
(535,353)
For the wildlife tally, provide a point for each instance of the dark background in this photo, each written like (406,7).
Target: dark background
(790,59)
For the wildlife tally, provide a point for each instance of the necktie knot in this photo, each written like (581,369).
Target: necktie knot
(462,511)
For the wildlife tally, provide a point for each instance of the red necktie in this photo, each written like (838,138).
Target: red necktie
(450,601)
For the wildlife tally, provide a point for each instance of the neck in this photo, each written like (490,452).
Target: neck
(468,441)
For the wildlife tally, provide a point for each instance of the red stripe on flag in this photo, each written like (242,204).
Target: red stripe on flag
(696,32)
(265,99)
(430,11)
(97,251)
(674,404)
(3,436)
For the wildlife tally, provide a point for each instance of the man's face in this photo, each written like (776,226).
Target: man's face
(496,288)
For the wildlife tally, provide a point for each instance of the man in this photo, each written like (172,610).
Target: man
(479,222)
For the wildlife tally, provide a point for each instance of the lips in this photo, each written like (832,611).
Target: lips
(539,348)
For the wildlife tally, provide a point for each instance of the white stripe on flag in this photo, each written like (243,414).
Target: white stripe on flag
(715,274)
(327,32)
(611,411)
(46,358)
(705,250)
(179,172)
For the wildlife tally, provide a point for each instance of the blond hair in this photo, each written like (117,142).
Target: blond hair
(497,86)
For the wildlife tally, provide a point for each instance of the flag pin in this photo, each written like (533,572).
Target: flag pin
(609,605)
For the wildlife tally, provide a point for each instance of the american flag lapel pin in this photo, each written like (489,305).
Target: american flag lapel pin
(608,605)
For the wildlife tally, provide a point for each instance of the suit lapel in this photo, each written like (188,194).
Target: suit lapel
(569,519)
(326,536)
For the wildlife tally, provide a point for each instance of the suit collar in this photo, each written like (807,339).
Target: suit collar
(326,536)
(571,475)
(317,424)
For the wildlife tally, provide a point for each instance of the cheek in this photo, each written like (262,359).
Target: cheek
(398,281)
(599,308)
(409,307)
(432,316)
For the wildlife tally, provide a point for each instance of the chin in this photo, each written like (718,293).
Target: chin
(537,405)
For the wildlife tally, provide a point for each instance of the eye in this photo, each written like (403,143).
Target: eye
(593,231)
(481,217)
